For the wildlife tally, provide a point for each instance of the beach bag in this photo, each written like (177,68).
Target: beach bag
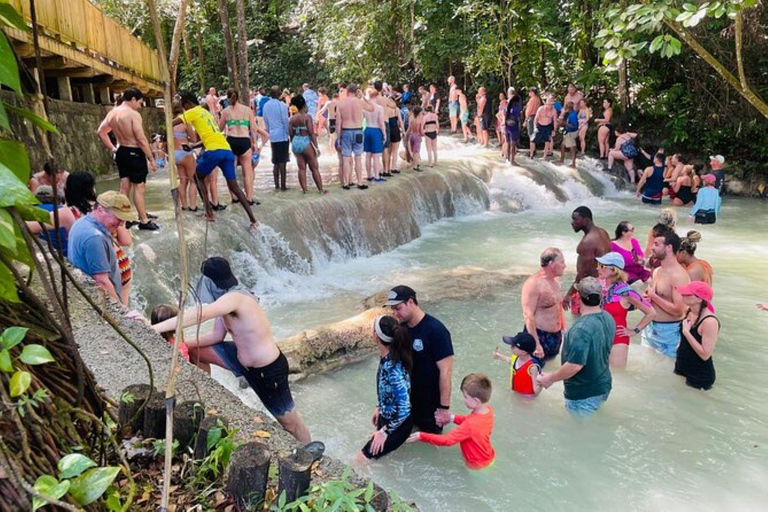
(705,217)
(629,150)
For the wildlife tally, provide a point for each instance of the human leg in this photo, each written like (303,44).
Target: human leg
(585,407)
(311,157)
(248,174)
(138,199)
(618,357)
(302,163)
(602,141)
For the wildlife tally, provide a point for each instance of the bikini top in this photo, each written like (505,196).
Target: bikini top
(297,129)
(431,121)
(239,122)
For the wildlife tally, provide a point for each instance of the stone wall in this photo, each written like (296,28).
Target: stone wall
(76,147)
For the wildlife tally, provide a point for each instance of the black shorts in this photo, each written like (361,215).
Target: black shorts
(394,440)
(132,164)
(239,145)
(425,421)
(269,382)
(332,125)
(485,123)
(280,152)
(394,130)
(431,135)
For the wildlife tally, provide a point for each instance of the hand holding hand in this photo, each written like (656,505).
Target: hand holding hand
(136,315)
(442,417)
(545,379)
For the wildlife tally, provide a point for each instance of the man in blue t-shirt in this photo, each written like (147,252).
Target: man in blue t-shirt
(570,117)
(90,248)
(432,361)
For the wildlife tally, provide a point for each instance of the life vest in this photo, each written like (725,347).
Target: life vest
(520,380)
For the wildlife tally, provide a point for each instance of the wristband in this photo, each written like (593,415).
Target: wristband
(383,432)
(636,330)
(446,407)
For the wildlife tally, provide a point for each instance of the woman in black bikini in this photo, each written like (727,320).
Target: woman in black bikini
(605,128)
(699,330)
(431,128)
(683,188)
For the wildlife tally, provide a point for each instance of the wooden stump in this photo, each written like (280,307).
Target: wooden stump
(136,393)
(295,472)
(208,423)
(380,500)
(248,475)
(186,421)
(154,417)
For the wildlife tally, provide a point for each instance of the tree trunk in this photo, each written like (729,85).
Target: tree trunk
(294,474)
(173,60)
(248,476)
(132,399)
(201,443)
(242,53)
(228,46)
(200,60)
(624,85)
(186,422)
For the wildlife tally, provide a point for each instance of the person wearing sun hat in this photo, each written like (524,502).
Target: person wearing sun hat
(700,330)
(90,246)
(707,207)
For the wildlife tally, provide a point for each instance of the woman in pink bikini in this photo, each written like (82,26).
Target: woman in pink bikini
(629,248)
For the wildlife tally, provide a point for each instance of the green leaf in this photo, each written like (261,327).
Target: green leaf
(12,336)
(7,236)
(213,438)
(28,212)
(8,291)
(51,488)
(14,190)
(9,70)
(74,464)
(36,120)
(9,16)
(35,354)
(656,43)
(88,487)
(20,383)
(690,7)
(5,361)
(5,124)
(14,156)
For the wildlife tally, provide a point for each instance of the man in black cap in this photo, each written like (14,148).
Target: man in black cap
(432,361)
(586,350)
(254,353)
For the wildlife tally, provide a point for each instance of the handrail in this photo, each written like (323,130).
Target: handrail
(84,24)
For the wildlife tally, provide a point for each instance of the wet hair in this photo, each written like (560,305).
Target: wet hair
(400,347)
(132,93)
(416,111)
(515,100)
(690,242)
(477,385)
(622,228)
(549,255)
(299,102)
(352,88)
(188,97)
(661,157)
(118,100)
(698,167)
(584,212)
(429,109)
(322,90)
(671,238)
(162,313)
(233,96)
(668,217)
(609,100)
(681,158)
(275,92)
(378,85)
(176,107)
(80,191)
(660,230)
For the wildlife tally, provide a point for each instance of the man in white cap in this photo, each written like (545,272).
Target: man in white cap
(585,371)
(90,248)
(716,162)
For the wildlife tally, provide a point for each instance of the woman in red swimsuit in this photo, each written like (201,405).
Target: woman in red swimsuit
(618,299)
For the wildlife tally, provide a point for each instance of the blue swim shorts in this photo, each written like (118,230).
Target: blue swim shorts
(585,407)
(453,109)
(224,159)
(663,337)
(373,140)
(351,141)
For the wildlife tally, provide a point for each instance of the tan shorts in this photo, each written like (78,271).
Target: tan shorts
(570,139)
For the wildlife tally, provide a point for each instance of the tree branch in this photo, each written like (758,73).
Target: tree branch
(738,38)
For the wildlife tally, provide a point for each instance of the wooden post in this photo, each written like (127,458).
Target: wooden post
(186,422)
(208,423)
(228,46)
(248,475)
(295,472)
(65,88)
(136,394)
(154,417)
(88,95)
(380,501)
(105,97)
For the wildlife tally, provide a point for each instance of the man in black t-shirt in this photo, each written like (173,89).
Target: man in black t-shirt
(432,361)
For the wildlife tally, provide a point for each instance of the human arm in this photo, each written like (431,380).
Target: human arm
(222,122)
(437,106)
(103,133)
(216,335)
(641,183)
(708,332)
(103,282)
(199,314)
(534,371)
(500,357)
(675,307)
(530,298)
(141,139)
(648,314)
(455,436)
(66,219)
(123,236)
(565,372)
(445,366)
(762,305)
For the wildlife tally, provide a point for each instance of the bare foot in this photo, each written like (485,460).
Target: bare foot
(254,226)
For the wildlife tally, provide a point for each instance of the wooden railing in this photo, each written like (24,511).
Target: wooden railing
(82,23)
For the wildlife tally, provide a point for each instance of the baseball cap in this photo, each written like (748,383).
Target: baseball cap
(589,287)
(709,179)
(400,294)
(521,340)
(217,269)
(698,289)
(118,203)
(719,158)
(612,259)
(44,194)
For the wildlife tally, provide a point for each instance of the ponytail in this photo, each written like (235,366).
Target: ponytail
(397,338)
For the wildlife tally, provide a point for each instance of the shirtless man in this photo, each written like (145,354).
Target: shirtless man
(212,102)
(663,333)
(453,104)
(545,126)
(329,108)
(482,120)
(594,244)
(574,96)
(133,155)
(673,171)
(391,119)
(349,121)
(424,95)
(464,115)
(374,136)
(542,305)
(254,353)
(531,107)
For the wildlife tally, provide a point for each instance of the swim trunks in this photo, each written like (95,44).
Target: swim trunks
(485,123)
(575,303)
(465,117)
(279,152)
(394,130)
(550,342)
(652,199)
(663,337)
(453,109)
(332,125)
(239,145)
(373,140)
(351,141)
(394,440)
(530,127)
(570,139)
(415,143)
(544,133)
(132,164)
(269,382)
(221,158)
(513,134)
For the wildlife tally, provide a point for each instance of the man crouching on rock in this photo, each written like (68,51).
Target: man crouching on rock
(254,353)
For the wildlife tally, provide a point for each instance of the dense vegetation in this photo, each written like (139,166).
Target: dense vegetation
(676,98)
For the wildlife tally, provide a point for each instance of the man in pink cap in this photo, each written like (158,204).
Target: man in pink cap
(699,329)
(707,207)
